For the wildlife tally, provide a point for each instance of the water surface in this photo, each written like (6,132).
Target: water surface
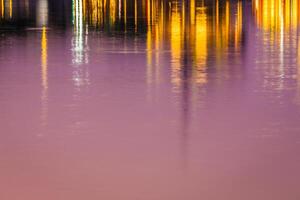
(149,100)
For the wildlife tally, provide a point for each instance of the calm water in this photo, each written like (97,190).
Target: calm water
(149,100)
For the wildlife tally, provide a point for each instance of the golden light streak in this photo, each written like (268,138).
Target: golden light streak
(112,11)
(125,13)
(2,8)
(10,8)
(192,11)
(135,15)
(44,74)
(227,22)
(185,26)
(84,8)
(275,15)
(149,57)
(238,25)
(201,45)
(218,45)
(148,13)
(176,34)
(44,54)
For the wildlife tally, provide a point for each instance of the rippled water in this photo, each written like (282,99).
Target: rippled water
(149,100)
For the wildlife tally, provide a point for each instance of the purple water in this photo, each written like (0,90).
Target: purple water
(149,100)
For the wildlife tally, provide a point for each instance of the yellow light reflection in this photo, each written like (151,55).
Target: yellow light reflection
(149,57)
(135,15)
(275,15)
(201,44)
(2,8)
(238,24)
(44,74)
(194,26)
(176,39)
(112,11)
(44,54)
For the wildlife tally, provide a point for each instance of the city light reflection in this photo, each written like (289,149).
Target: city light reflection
(6,9)
(277,14)
(278,22)
(42,21)
(80,44)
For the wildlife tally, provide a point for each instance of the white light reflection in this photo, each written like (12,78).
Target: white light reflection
(79,46)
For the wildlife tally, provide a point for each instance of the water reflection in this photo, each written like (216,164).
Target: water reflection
(199,34)
(192,37)
(6,9)
(44,74)
(278,23)
(276,14)
(42,21)
(130,88)
(80,44)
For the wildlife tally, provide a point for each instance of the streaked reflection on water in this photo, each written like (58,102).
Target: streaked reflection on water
(149,99)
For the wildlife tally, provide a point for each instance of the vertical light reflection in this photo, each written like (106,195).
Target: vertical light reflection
(297,98)
(44,58)
(227,23)
(96,7)
(2,8)
(135,15)
(159,29)
(112,11)
(6,9)
(275,15)
(79,46)
(148,13)
(149,58)
(278,21)
(192,11)
(44,72)
(238,25)
(42,21)
(10,8)
(218,44)
(120,9)
(125,13)
(201,44)
(176,34)
(78,42)
(185,25)
(149,45)
(294,14)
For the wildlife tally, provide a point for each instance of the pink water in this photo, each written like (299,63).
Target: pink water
(151,115)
